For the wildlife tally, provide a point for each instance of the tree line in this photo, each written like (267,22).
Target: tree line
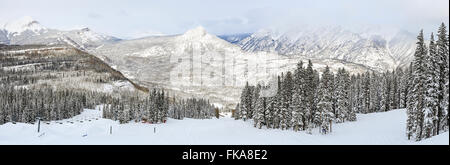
(18,104)
(305,100)
(26,105)
(155,108)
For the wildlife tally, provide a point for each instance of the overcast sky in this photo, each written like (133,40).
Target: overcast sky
(135,18)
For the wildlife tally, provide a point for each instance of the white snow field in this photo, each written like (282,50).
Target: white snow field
(378,128)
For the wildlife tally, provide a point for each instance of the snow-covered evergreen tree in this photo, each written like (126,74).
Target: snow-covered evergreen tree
(442,48)
(431,86)
(309,95)
(418,86)
(342,96)
(286,98)
(259,107)
(324,115)
(269,112)
(236,113)
(366,93)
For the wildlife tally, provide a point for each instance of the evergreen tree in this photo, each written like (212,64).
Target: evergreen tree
(418,86)
(268,113)
(431,86)
(286,98)
(443,89)
(297,107)
(324,110)
(342,96)
(309,94)
(255,97)
(260,110)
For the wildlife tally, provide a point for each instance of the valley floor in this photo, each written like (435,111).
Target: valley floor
(377,128)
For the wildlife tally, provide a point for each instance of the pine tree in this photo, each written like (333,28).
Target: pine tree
(431,86)
(244,103)
(384,101)
(324,110)
(342,96)
(366,92)
(268,113)
(443,89)
(277,105)
(286,97)
(309,96)
(404,88)
(353,94)
(260,109)
(236,114)
(393,91)
(410,121)
(297,107)
(399,87)
(255,97)
(418,86)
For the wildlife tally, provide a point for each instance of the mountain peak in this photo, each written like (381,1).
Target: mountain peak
(23,24)
(199,31)
(25,20)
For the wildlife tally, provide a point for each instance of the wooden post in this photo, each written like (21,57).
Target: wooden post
(330,125)
(39,125)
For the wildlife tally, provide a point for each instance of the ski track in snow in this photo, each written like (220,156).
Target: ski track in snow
(376,128)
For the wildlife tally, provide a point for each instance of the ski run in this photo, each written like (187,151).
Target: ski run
(89,128)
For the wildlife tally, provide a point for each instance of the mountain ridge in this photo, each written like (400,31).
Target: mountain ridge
(373,49)
(26,30)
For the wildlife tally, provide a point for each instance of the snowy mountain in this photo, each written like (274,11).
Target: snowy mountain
(24,24)
(199,64)
(371,47)
(26,30)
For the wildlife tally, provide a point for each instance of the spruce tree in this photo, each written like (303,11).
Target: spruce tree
(324,115)
(286,97)
(342,96)
(268,113)
(309,95)
(443,89)
(259,118)
(418,85)
(431,86)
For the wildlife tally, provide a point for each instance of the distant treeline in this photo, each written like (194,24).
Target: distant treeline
(155,108)
(25,105)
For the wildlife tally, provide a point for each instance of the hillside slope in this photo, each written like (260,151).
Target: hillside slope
(61,67)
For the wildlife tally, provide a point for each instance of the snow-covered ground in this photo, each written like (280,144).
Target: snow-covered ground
(377,128)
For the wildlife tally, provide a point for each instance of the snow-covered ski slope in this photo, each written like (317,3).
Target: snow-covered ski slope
(378,128)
